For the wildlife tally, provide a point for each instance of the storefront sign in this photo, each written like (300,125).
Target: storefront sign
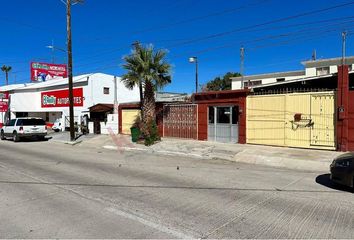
(60,98)
(4,106)
(4,95)
(47,71)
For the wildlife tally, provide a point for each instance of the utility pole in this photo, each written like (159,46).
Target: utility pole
(344,39)
(137,46)
(314,55)
(115,106)
(53,51)
(196,75)
(70,70)
(242,62)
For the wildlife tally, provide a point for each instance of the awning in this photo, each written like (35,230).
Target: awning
(101,107)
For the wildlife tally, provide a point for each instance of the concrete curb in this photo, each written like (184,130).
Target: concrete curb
(109,147)
(248,156)
(68,142)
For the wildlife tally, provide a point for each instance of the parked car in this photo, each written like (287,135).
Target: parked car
(24,128)
(57,127)
(342,170)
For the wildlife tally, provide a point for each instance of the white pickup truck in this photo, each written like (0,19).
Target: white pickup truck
(24,128)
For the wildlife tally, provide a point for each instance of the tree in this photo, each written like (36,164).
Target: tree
(6,69)
(221,83)
(150,70)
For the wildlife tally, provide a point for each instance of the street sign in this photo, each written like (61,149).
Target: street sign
(4,107)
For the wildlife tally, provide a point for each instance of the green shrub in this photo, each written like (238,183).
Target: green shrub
(152,134)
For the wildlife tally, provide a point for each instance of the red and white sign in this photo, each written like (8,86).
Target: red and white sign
(47,71)
(4,107)
(60,98)
(4,95)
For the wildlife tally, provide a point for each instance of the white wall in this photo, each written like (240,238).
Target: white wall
(98,81)
(236,84)
(92,93)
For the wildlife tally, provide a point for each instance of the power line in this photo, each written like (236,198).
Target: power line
(262,24)
(194,19)
(270,37)
(227,11)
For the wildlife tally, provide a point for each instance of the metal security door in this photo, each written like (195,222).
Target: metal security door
(323,113)
(180,121)
(223,124)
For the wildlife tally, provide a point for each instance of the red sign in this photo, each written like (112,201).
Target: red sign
(47,71)
(4,95)
(60,98)
(4,106)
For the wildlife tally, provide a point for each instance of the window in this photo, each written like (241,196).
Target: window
(252,83)
(11,123)
(105,90)
(21,114)
(235,115)
(280,79)
(350,68)
(223,115)
(211,115)
(30,122)
(322,71)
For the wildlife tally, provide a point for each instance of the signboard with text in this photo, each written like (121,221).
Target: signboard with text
(47,71)
(4,106)
(4,95)
(60,98)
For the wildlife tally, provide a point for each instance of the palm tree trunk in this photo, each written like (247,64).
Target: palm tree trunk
(7,77)
(149,102)
(141,99)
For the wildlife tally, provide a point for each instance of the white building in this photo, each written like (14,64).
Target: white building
(313,68)
(49,100)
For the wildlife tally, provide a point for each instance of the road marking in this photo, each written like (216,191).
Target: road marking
(151,224)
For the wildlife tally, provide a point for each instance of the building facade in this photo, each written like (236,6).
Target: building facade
(49,100)
(313,68)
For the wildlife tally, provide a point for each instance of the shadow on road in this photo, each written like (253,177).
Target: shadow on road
(324,180)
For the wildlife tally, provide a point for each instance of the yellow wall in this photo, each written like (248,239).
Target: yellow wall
(128,118)
(270,120)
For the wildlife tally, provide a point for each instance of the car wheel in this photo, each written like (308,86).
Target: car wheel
(15,137)
(2,135)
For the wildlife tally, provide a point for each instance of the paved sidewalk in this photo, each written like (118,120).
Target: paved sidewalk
(292,158)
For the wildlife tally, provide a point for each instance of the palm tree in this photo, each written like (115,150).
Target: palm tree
(147,69)
(6,69)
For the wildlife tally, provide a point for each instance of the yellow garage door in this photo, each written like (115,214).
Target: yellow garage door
(128,118)
(305,120)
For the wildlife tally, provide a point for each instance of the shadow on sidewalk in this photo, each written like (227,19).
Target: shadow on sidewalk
(324,180)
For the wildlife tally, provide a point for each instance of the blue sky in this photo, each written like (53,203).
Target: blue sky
(104,30)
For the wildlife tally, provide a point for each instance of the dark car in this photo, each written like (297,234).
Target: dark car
(342,170)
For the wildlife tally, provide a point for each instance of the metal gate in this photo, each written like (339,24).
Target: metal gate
(223,124)
(180,121)
(304,120)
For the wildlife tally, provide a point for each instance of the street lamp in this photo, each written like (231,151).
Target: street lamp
(195,60)
(55,48)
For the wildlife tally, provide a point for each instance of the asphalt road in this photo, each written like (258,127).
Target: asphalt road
(53,190)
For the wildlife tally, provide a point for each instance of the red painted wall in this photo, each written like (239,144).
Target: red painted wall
(222,98)
(345,118)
